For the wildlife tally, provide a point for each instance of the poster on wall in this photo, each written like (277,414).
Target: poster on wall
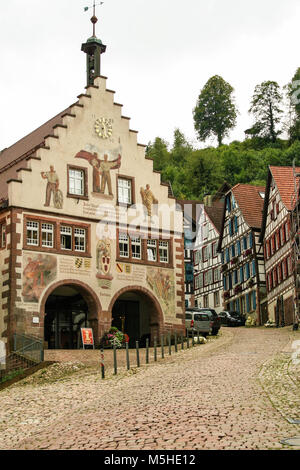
(87,337)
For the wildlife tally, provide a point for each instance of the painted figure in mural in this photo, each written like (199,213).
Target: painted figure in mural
(148,199)
(100,168)
(52,188)
(38,272)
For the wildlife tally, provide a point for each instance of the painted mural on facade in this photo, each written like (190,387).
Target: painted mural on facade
(52,189)
(101,167)
(161,282)
(39,270)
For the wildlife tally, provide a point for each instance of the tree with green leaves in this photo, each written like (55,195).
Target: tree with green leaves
(266,107)
(215,112)
(293,104)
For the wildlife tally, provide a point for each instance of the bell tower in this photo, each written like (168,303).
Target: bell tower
(93,49)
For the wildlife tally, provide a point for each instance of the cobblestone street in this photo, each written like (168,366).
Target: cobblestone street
(235,392)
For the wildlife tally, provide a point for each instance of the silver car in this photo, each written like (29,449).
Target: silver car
(196,321)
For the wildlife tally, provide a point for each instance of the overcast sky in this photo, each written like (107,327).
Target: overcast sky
(160,53)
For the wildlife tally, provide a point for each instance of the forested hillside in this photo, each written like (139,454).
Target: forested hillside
(194,173)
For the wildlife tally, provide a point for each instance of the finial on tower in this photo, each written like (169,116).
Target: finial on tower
(94,18)
(93,49)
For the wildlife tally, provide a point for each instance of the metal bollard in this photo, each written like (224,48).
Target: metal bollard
(197,335)
(127,357)
(182,342)
(102,364)
(193,339)
(147,351)
(155,349)
(175,341)
(115,360)
(137,354)
(187,340)
(162,346)
(169,341)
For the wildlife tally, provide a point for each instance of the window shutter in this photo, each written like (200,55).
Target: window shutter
(242,274)
(250,239)
(227,255)
(230,227)
(224,282)
(245,243)
(247,270)
(230,281)
(235,224)
(235,277)
(254,299)
(253,268)
(247,303)
(239,247)
(222,257)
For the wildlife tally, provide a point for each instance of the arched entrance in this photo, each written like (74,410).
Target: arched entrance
(136,312)
(69,306)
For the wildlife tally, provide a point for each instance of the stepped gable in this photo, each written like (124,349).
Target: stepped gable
(284,179)
(250,203)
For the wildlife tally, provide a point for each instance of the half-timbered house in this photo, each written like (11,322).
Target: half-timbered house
(275,234)
(242,252)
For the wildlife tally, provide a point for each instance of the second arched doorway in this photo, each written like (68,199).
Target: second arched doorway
(136,312)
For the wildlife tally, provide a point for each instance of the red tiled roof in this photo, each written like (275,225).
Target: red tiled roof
(250,203)
(284,180)
(31,141)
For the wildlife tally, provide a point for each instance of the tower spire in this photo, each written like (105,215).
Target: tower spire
(93,49)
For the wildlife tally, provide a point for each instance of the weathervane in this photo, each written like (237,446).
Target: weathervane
(94,18)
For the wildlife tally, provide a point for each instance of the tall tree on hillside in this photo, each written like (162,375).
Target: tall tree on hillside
(158,151)
(266,107)
(293,104)
(215,112)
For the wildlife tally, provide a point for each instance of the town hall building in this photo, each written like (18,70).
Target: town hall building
(90,236)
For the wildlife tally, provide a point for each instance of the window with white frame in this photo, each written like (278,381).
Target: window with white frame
(163,251)
(47,235)
(136,248)
(124,245)
(214,250)
(3,236)
(217,299)
(205,253)
(32,233)
(217,274)
(124,191)
(151,250)
(79,239)
(76,182)
(66,237)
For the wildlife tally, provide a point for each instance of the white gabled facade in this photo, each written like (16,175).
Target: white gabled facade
(207,266)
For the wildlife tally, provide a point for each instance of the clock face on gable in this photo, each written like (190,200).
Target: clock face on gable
(103,127)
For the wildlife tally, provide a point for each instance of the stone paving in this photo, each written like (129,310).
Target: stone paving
(235,392)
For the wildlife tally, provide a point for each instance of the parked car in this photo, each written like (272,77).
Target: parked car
(197,321)
(232,318)
(215,320)
(238,316)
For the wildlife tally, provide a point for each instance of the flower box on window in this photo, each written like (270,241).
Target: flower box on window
(247,252)
(238,289)
(226,295)
(234,260)
(250,283)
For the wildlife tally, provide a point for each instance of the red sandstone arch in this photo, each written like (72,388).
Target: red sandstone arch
(91,298)
(157,318)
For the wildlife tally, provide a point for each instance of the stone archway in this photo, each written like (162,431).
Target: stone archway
(138,302)
(83,291)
